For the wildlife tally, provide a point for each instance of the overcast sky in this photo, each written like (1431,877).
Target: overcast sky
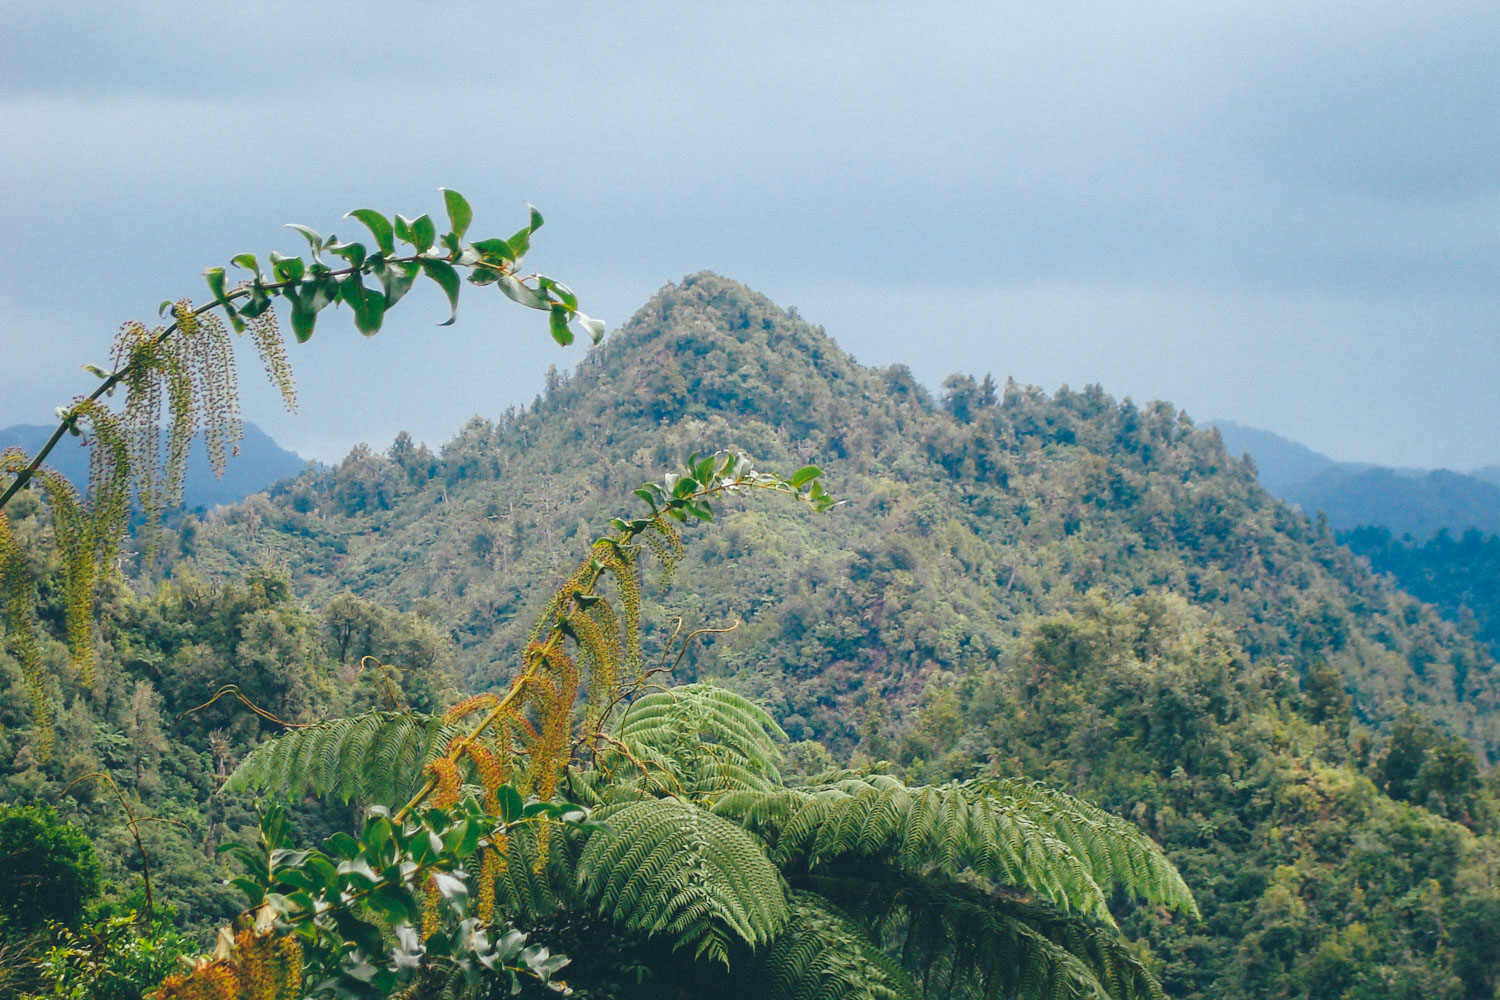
(1286,215)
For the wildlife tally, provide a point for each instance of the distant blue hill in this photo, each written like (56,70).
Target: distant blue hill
(1415,502)
(260,463)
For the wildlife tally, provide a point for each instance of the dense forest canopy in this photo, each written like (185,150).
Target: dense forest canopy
(1020,586)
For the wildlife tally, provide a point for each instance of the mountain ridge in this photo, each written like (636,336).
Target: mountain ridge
(1412,502)
(1052,586)
(1048,487)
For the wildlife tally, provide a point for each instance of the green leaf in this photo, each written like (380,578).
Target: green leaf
(495,248)
(459,212)
(259,301)
(287,268)
(424,233)
(313,239)
(354,253)
(536,218)
(342,845)
(559,323)
(516,291)
(367,303)
(379,227)
(304,314)
(563,292)
(509,802)
(246,261)
(443,273)
(394,905)
(805,474)
(396,278)
(215,278)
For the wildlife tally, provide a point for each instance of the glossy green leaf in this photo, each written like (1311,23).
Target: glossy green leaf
(368,304)
(516,291)
(215,278)
(559,324)
(804,475)
(246,261)
(379,227)
(314,240)
(403,229)
(496,248)
(459,212)
(396,279)
(304,315)
(447,278)
(258,302)
(424,233)
(563,293)
(354,253)
(287,268)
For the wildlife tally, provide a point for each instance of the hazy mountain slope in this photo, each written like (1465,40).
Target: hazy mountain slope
(1419,507)
(961,526)
(1279,462)
(260,462)
(1415,502)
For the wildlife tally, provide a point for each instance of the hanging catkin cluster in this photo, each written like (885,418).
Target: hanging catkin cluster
(86,537)
(193,371)
(259,967)
(190,367)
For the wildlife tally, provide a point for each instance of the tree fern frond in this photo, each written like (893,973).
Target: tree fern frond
(375,757)
(667,867)
(959,941)
(823,955)
(703,739)
(526,889)
(1041,842)
(1117,852)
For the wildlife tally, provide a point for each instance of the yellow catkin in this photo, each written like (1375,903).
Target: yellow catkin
(261,967)
(266,335)
(490,866)
(431,913)
(488,767)
(445,769)
(628,584)
(288,968)
(19,595)
(467,707)
(602,657)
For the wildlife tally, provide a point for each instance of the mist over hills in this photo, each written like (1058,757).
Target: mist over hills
(260,462)
(1415,502)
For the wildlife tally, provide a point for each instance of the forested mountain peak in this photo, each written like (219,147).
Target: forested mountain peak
(1021,585)
(967,517)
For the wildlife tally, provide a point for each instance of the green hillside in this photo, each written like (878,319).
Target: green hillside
(1062,587)
(964,520)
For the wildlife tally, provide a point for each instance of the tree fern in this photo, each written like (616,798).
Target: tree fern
(374,757)
(958,941)
(696,740)
(823,955)
(1049,845)
(668,868)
